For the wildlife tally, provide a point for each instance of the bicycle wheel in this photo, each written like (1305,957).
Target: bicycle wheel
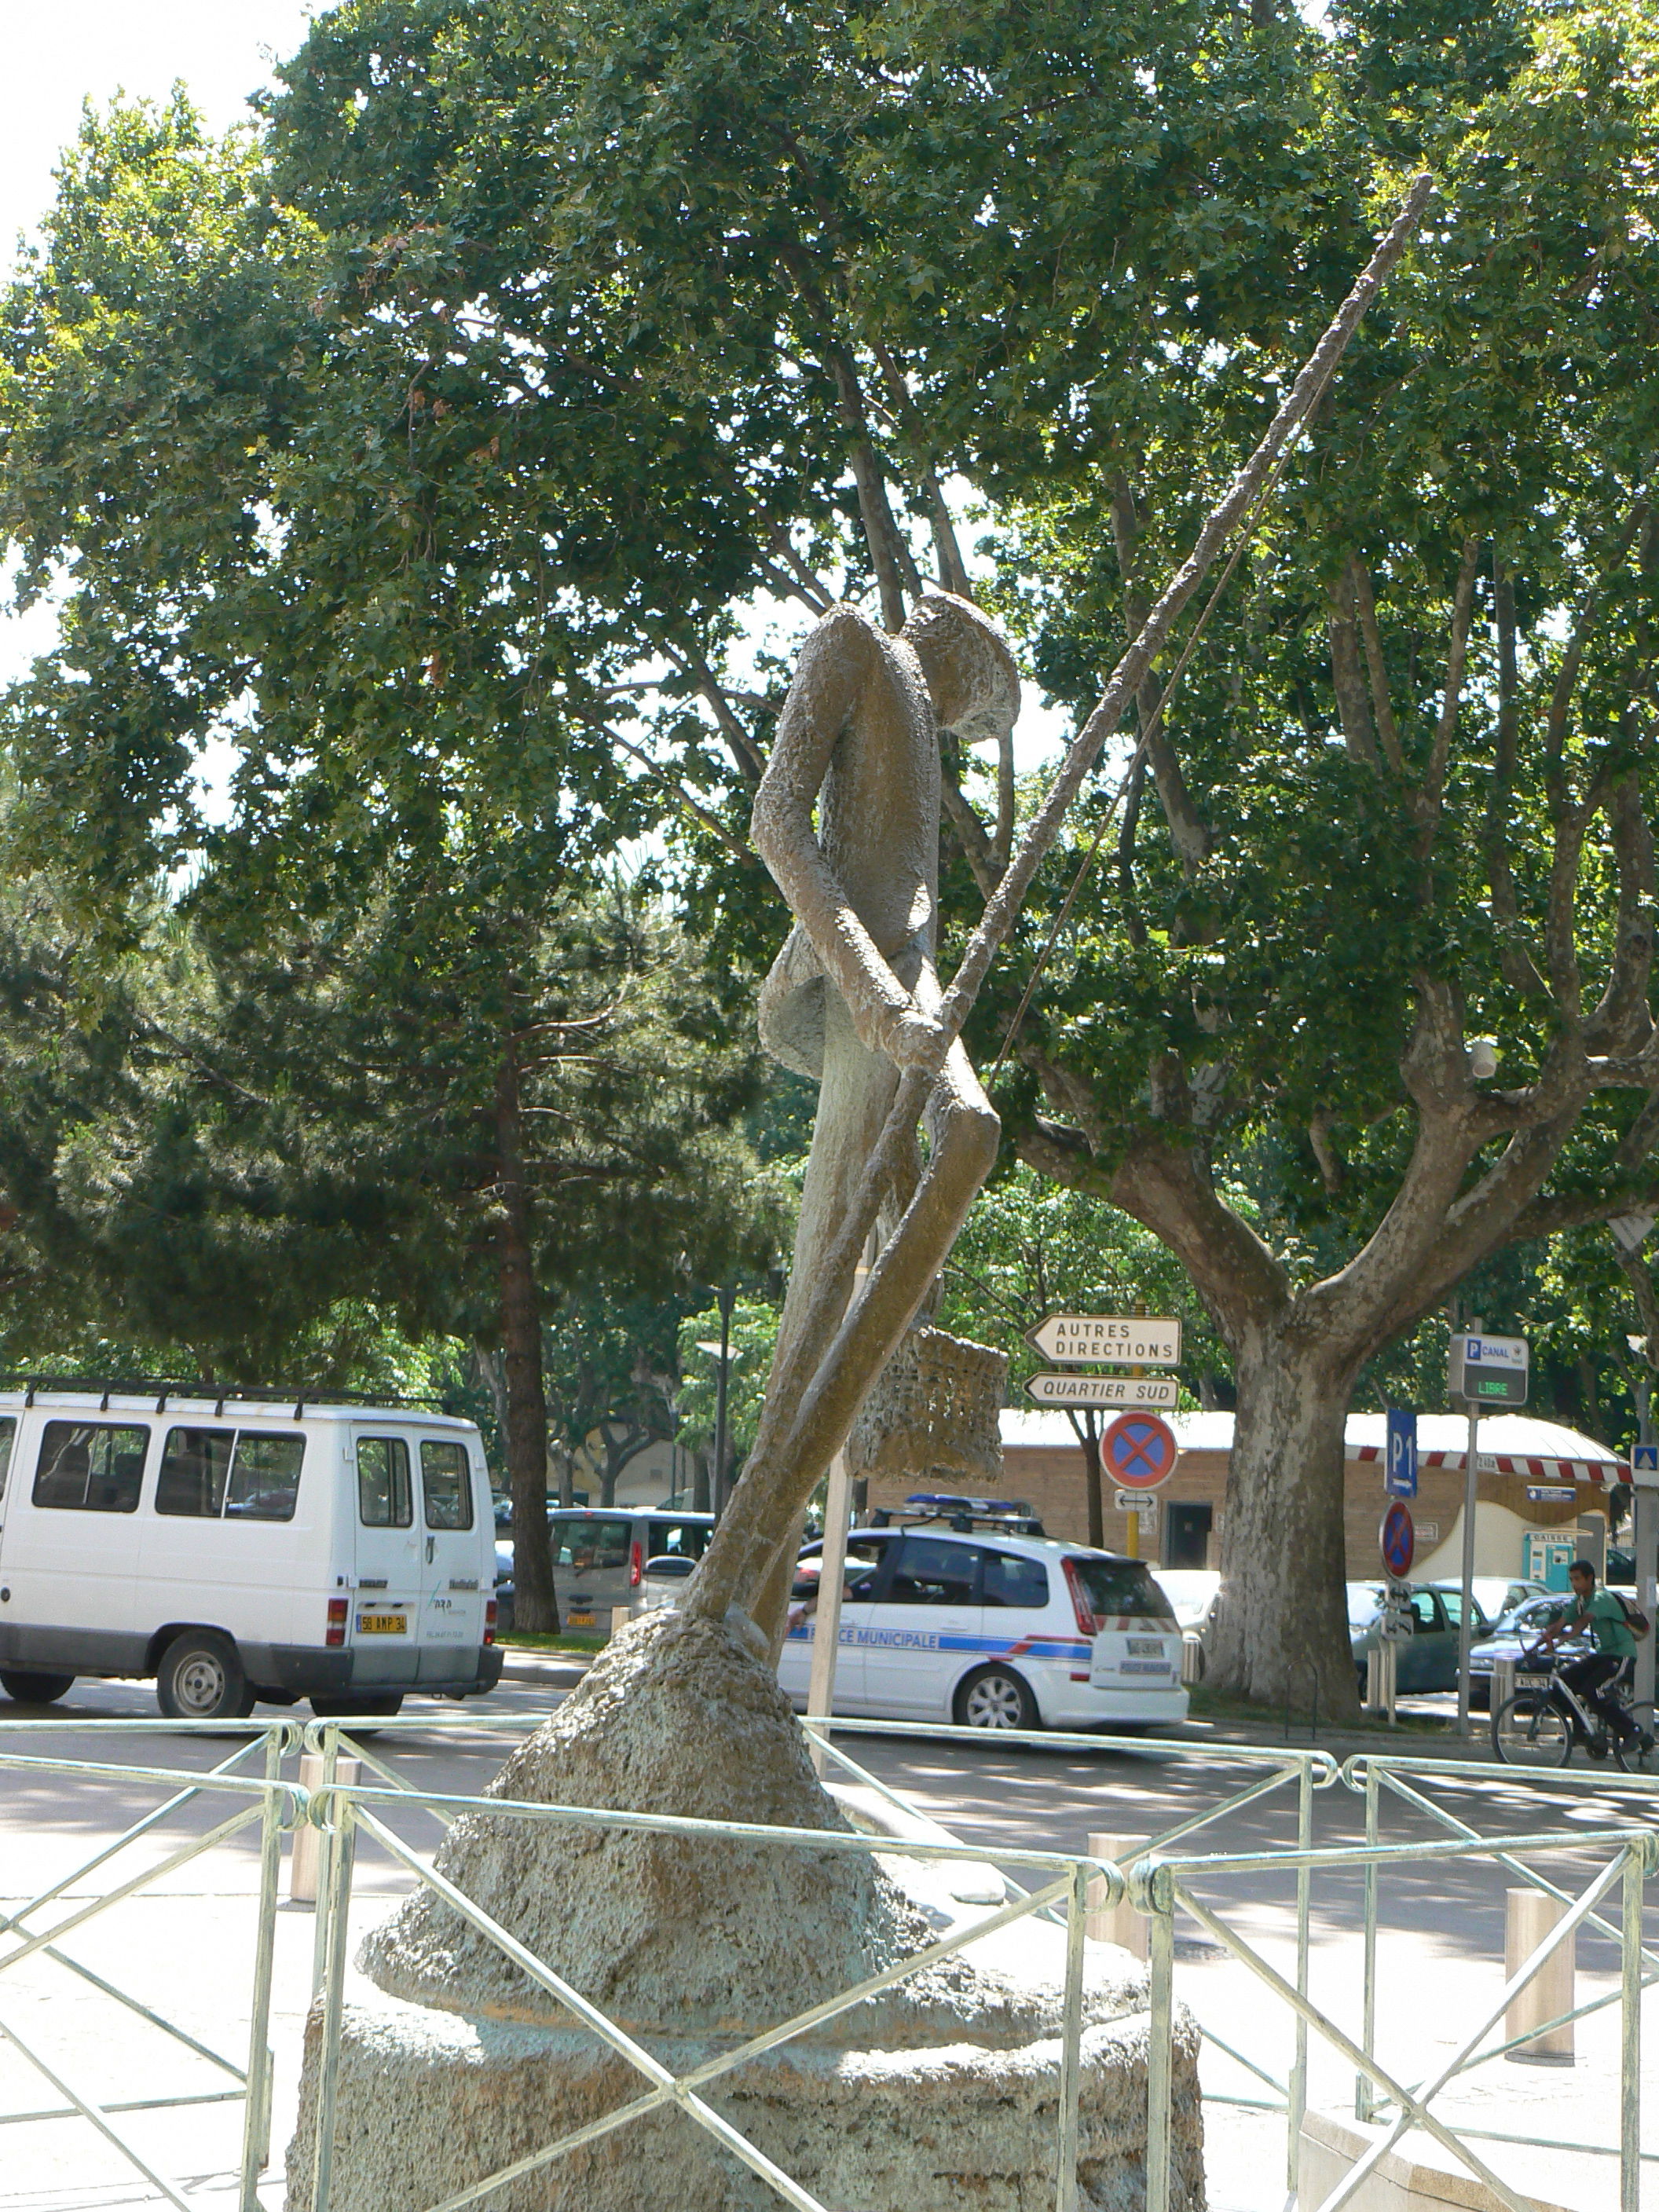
(1531,1730)
(1640,1758)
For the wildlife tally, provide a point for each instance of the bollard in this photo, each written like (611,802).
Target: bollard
(302,1866)
(620,1616)
(1382,1674)
(1503,1683)
(1119,1923)
(1529,1916)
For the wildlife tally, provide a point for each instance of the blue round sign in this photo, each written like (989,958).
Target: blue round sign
(1399,1540)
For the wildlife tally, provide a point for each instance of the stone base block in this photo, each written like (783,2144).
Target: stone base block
(431,2102)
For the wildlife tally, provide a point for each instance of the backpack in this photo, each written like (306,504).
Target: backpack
(1634,1619)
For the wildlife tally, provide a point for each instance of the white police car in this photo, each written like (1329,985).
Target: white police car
(960,1616)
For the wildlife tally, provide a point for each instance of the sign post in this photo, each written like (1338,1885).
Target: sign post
(1483,1372)
(1138,1451)
(1644,1542)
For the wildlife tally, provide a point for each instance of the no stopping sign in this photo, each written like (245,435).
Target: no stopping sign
(1138,1451)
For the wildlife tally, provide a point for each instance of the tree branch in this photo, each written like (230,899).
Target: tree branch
(1519,969)
(1376,667)
(1434,780)
(1346,676)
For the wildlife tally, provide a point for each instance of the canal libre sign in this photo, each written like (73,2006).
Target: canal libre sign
(1107,1340)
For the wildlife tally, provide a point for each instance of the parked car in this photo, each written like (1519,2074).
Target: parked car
(1428,1651)
(1194,1594)
(238,1549)
(600,1560)
(1522,1624)
(1495,1594)
(991,1630)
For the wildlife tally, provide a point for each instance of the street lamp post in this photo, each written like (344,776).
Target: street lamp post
(725,1299)
(722,1352)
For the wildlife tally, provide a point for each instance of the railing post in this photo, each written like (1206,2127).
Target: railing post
(343,1814)
(1298,2096)
(261,2059)
(1071,2041)
(1364,2090)
(1630,2038)
(326,1780)
(1160,2050)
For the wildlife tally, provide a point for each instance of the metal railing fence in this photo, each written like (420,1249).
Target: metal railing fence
(273,1805)
(1160,1881)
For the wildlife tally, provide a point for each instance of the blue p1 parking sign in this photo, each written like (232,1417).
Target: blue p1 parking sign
(1399,1471)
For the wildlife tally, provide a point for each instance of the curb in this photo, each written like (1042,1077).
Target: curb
(564,1666)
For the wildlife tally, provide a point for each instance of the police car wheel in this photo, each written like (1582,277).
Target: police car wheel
(995,1697)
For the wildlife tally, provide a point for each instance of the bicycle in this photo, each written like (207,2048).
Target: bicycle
(1539,1725)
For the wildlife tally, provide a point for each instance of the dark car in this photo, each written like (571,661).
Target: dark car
(1428,1651)
(1523,1624)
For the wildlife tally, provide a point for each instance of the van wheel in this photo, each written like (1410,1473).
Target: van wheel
(995,1697)
(34,1689)
(200,1679)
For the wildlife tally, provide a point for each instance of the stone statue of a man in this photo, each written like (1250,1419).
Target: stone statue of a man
(852,1000)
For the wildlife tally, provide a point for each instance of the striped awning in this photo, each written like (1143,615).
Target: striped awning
(1598,1473)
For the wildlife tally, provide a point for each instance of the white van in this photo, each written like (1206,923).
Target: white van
(236,1548)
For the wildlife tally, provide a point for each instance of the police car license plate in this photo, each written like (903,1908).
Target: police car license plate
(381,1623)
(1147,1647)
(580,1619)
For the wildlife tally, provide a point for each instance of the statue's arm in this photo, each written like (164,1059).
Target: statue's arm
(838,660)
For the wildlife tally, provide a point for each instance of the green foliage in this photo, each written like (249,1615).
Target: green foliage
(1030,1248)
(754,1337)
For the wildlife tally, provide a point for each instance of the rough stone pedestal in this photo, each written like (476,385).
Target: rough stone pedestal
(938,2096)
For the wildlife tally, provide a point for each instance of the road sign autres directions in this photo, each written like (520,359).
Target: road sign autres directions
(1108,1340)
(1118,1391)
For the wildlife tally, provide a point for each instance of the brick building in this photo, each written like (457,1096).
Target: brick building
(1518,1528)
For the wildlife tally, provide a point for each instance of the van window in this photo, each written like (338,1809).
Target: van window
(264,1477)
(90,1466)
(383,1492)
(1012,1581)
(447,1480)
(194,1465)
(678,1540)
(588,1542)
(8,1437)
(930,1572)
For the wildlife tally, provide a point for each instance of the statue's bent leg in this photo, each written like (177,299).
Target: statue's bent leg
(786,1463)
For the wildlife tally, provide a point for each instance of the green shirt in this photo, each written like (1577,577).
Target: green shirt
(1604,1616)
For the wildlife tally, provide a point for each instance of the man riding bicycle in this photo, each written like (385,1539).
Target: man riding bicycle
(1599,1673)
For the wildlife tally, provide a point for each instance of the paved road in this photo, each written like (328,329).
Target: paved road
(1442,1950)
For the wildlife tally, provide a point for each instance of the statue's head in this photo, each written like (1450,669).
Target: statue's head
(971,673)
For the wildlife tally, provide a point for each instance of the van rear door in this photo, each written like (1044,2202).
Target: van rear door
(455,1583)
(385,1616)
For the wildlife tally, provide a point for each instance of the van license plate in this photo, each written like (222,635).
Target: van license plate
(580,1619)
(1147,1647)
(381,1623)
